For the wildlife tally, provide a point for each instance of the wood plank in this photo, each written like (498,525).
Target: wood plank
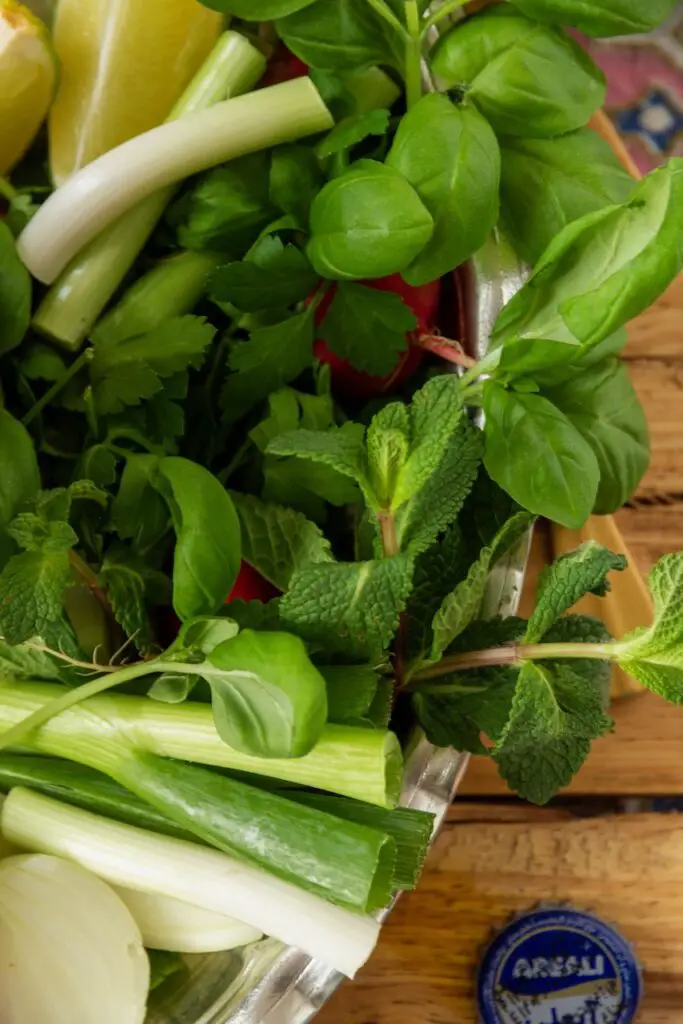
(656,334)
(628,869)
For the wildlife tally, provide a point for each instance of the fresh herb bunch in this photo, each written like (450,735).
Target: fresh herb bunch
(262,412)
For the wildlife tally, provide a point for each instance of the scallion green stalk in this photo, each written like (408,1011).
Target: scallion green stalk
(140,860)
(172,288)
(97,195)
(75,302)
(365,764)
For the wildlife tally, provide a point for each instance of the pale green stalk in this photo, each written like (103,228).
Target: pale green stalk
(78,297)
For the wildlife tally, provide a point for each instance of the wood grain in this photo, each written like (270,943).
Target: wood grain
(628,869)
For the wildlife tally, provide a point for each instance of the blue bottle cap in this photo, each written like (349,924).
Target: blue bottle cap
(556,965)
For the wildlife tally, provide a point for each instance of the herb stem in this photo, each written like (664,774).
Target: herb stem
(388,15)
(512,653)
(444,348)
(446,8)
(413,68)
(77,365)
(387,526)
(18,733)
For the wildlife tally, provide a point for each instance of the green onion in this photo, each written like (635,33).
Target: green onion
(74,303)
(347,861)
(136,859)
(81,786)
(362,763)
(94,197)
(172,288)
(411,830)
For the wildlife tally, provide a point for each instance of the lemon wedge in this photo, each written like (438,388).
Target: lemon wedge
(28,73)
(124,63)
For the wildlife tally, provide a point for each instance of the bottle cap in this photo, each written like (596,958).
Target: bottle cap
(556,965)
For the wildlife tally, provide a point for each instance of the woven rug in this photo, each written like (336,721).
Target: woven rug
(645,89)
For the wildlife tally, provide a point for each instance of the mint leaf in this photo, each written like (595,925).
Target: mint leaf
(388,445)
(32,586)
(582,629)
(272,357)
(555,715)
(353,606)
(435,411)
(462,605)
(35,534)
(437,572)
(457,719)
(432,510)
(340,448)
(278,541)
(367,327)
(285,278)
(567,580)
(22,662)
(654,655)
(353,130)
(122,576)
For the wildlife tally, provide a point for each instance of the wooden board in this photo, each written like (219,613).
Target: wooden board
(627,868)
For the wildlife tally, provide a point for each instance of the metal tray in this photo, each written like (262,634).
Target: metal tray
(268,983)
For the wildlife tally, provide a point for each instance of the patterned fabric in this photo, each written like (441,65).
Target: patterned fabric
(645,89)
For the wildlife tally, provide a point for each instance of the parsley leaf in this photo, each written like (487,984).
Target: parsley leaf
(367,327)
(352,130)
(565,582)
(277,541)
(126,372)
(556,713)
(273,356)
(284,278)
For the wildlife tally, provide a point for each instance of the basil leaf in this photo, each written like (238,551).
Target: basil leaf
(15,293)
(536,454)
(256,10)
(451,158)
(605,268)
(548,183)
(367,223)
(601,17)
(336,34)
(207,553)
(527,79)
(268,698)
(138,512)
(602,404)
(19,475)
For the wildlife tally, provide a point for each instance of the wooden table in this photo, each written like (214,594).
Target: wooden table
(497,857)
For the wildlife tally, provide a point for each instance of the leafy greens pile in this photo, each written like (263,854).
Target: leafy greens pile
(246,482)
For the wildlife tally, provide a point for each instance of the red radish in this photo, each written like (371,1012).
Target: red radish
(250,585)
(283,66)
(424,302)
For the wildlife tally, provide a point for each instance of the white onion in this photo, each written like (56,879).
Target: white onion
(94,197)
(167,923)
(70,951)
